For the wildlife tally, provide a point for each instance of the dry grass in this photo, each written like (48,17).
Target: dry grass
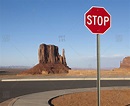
(104,73)
(108,98)
(88,73)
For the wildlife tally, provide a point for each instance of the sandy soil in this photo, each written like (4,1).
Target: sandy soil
(108,98)
(104,73)
(81,73)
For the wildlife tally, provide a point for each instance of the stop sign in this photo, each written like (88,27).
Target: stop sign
(97,20)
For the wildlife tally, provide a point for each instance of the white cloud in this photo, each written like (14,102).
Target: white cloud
(112,56)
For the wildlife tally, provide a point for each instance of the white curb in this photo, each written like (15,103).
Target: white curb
(62,79)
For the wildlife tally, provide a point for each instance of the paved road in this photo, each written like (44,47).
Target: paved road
(13,89)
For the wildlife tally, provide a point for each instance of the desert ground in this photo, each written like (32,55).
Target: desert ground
(113,97)
(72,73)
(104,73)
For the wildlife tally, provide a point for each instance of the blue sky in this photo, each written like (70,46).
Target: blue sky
(25,24)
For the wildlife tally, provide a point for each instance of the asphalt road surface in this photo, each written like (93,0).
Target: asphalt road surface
(13,89)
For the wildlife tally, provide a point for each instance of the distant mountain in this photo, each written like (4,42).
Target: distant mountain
(50,61)
(125,63)
(15,67)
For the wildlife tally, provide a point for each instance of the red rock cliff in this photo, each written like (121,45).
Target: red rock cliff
(49,61)
(125,63)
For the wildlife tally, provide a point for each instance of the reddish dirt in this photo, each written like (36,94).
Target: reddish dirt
(104,73)
(48,68)
(108,98)
(6,103)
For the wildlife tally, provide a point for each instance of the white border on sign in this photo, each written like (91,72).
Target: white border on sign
(106,11)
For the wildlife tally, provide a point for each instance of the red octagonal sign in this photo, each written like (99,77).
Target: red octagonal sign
(97,20)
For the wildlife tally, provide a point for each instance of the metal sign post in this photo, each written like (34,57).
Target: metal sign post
(98,69)
(98,21)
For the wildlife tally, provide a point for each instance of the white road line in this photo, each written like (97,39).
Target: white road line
(62,79)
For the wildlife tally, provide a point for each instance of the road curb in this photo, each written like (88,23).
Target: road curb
(62,79)
(13,101)
(45,97)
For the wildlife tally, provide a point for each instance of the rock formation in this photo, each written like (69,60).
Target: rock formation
(50,54)
(125,63)
(49,61)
